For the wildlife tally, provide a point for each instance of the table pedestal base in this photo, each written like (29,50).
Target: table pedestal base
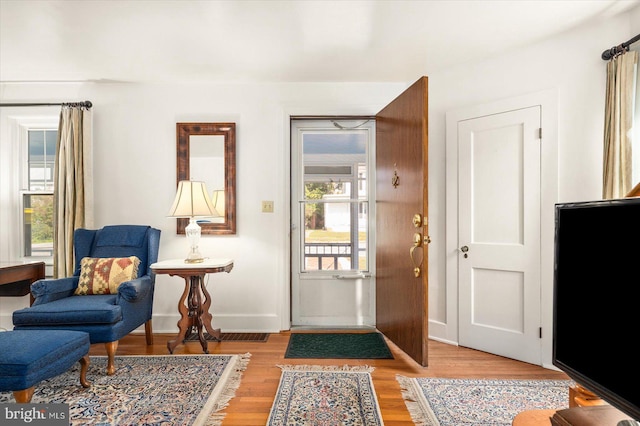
(195,316)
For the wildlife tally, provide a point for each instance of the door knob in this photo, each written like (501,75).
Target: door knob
(465,249)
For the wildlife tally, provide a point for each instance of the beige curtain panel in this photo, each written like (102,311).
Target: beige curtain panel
(619,111)
(73,171)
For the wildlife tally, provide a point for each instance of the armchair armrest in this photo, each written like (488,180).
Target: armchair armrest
(45,291)
(135,290)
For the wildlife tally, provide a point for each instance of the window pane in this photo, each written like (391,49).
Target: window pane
(327,236)
(328,241)
(327,190)
(334,143)
(335,174)
(42,152)
(38,224)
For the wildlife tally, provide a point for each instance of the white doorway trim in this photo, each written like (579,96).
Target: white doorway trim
(283,295)
(547,100)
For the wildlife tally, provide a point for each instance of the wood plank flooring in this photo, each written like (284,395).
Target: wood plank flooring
(253,399)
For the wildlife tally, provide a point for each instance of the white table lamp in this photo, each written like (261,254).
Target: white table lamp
(192,201)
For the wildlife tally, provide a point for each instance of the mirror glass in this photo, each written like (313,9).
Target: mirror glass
(206,152)
(206,164)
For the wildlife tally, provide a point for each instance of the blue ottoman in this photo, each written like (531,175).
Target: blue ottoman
(29,356)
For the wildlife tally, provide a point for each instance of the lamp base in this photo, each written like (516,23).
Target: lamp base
(192,231)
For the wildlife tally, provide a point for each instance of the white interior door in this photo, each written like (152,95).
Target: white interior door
(332,220)
(499,234)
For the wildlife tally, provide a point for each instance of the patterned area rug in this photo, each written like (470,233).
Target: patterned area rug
(469,402)
(151,390)
(325,396)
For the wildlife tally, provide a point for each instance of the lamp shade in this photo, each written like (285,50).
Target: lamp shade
(218,201)
(192,200)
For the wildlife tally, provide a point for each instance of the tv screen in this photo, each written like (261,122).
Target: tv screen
(596,306)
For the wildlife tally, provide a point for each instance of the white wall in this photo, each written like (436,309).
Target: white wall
(135,179)
(569,65)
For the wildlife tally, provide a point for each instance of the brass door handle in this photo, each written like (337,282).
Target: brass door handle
(416,267)
(417,242)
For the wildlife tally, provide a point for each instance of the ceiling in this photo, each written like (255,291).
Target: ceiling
(269,40)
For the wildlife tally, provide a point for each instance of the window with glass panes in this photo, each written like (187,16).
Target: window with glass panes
(335,200)
(37,199)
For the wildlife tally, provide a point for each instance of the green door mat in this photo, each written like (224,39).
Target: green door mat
(338,345)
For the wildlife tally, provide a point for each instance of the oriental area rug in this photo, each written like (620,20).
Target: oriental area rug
(151,390)
(475,402)
(338,345)
(325,396)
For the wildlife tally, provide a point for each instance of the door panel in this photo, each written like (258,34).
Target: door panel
(499,234)
(401,193)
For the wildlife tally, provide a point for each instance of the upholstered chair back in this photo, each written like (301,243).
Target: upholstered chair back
(118,241)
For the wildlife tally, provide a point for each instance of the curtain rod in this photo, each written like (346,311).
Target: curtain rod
(85,104)
(616,50)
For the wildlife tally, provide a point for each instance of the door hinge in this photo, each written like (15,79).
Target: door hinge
(540,133)
(540,332)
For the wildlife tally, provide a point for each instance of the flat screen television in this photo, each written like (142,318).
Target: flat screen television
(596,304)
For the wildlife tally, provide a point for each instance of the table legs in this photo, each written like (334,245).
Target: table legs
(194,315)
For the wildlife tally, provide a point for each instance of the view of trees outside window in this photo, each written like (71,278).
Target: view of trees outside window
(38,199)
(335,201)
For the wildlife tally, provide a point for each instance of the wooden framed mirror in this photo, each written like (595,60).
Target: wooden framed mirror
(207,152)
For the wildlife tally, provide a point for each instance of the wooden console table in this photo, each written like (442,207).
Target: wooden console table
(194,315)
(16,278)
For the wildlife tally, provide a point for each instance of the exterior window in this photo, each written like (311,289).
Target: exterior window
(37,199)
(335,201)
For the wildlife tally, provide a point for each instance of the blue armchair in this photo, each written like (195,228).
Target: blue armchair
(106,317)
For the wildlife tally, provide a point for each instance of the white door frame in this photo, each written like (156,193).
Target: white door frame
(353,284)
(549,195)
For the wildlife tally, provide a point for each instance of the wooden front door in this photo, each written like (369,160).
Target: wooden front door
(401,196)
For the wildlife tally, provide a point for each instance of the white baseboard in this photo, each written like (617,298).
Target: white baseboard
(227,323)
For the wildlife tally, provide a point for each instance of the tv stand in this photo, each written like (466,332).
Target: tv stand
(585,409)
(594,415)
(581,397)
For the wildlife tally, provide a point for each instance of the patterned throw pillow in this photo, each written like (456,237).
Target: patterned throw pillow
(104,275)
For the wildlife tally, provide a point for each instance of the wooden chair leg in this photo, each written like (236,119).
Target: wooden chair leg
(148,332)
(111,354)
(84,366)
(24,396)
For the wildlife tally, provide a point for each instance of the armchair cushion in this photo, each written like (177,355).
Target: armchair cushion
(104,275)
(75,310)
